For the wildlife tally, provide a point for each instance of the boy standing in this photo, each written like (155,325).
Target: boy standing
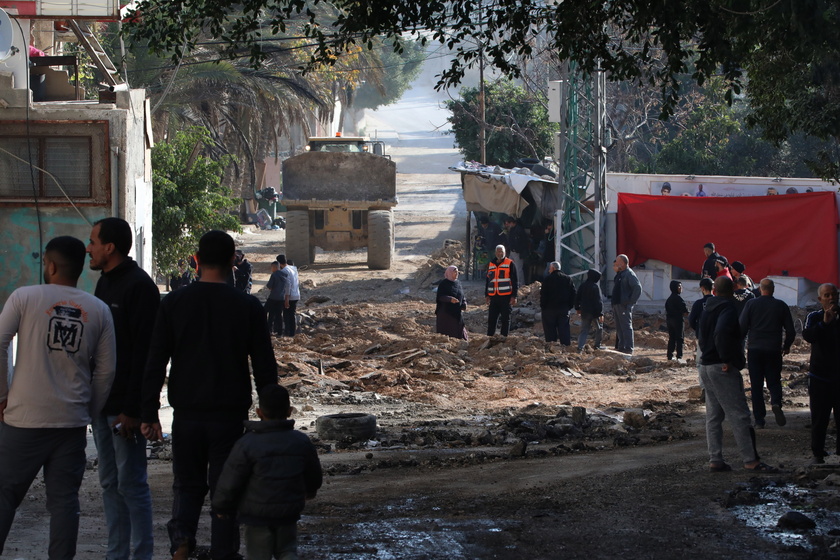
(675,312)
(270,473)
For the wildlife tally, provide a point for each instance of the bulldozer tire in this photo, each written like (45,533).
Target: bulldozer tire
(297,237)
(350,426)
(380,239)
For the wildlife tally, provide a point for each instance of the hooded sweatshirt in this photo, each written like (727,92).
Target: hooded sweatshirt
(675,305)
(720,334)
(589,300)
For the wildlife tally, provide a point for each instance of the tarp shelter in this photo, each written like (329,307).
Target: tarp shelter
(792,235)
(511,194)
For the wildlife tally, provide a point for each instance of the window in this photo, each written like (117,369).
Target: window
(75,155)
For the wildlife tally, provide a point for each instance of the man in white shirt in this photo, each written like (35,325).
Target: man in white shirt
(62,376)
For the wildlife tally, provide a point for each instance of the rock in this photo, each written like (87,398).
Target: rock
(642,361)
(578,415)
(317,299)
(635,418)
(519,448)
(696,393)
(797,521)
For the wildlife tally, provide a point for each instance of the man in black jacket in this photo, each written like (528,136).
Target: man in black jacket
(271,472)
(133,298)
(721,361)
(709,269)
(557,298)
(763,319)
(589,304)
(208,330)
(822,330)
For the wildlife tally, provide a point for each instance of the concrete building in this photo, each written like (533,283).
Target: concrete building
(66,161)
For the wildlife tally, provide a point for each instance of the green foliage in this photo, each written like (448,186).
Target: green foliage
(788,49)
(517,124)
(189,198)
(400,69)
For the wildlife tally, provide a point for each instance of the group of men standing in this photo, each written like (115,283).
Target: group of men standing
(283,295)
(102,360)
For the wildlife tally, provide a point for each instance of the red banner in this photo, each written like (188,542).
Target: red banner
(769,234)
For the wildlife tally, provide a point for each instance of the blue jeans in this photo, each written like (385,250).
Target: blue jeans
(125,492)
(585,322)
(61,452)
(199,451)
(278,541)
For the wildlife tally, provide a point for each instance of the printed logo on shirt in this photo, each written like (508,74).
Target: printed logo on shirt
(66,329)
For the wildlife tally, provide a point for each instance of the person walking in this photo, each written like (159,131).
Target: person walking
(721,361)
(625,294)
(271,472)
(557,298)
(589,304)
(133,298)
(208,331)
(61,379)
(500,288)
(822,330)
(762,321)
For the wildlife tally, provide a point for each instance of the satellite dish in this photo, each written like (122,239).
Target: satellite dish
(6,36)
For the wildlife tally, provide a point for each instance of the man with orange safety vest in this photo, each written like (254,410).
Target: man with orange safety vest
(501,287)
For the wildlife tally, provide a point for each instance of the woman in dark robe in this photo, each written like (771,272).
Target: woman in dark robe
(450,304)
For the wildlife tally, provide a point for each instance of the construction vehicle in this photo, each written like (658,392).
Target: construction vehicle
(339,195)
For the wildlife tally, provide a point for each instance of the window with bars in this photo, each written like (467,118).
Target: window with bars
(57,162)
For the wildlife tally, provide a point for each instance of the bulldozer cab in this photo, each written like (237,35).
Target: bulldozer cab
(345,144)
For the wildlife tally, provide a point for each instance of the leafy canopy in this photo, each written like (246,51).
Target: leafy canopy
(517,126)
(189,197)
(644,41)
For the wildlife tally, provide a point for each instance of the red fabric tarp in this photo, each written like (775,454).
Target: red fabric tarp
(769,234)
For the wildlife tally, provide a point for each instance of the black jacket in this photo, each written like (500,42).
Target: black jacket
(589,300)
(675,305)
(825,346)
(268,475)
(557,292)
(209,331)
(696,311)
(133,298)
(763,320)
(720,335)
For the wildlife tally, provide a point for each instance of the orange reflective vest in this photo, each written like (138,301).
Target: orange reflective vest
(498,277)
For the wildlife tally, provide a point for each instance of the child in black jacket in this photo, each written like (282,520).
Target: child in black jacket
(675,312)
(270,473)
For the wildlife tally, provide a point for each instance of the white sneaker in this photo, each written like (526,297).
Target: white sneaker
(681,361)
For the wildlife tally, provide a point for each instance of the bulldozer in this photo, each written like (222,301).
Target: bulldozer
(339,195)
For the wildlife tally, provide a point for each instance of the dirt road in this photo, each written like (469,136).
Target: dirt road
(497,448)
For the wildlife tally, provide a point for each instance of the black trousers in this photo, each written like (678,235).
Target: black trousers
(499,309)
(824,398)
(676,336)
(289,318)
(199,451)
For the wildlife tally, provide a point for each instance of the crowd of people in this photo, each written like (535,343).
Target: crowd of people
(102,360)
(738,325)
